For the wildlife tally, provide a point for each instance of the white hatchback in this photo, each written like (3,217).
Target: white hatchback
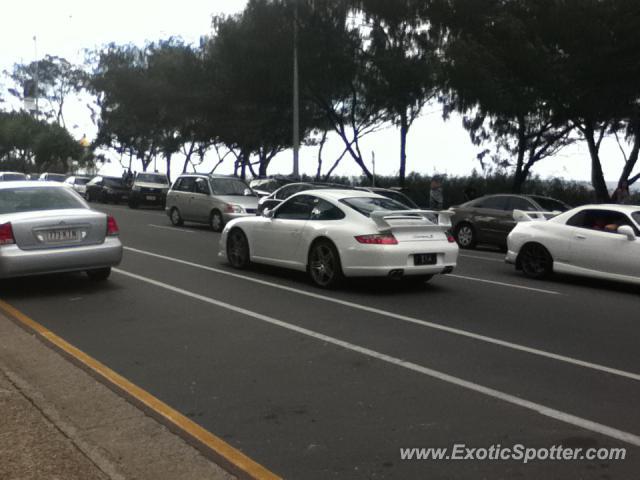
(344,233)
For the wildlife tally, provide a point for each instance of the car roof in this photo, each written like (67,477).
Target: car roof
(339,194)
(207,175)
(28,183)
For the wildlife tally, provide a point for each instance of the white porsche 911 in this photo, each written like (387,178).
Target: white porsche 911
(594,240)
(333,234)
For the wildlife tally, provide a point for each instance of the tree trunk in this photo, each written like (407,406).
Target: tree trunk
(521,173)
(404,129)
(168,160)
(597,177)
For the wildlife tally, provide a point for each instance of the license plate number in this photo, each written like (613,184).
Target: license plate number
(151,197)
(61,236)
(425,259)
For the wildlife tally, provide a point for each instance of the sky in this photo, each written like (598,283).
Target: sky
(67,27)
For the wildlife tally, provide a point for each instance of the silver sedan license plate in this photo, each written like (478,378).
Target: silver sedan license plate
(66,235)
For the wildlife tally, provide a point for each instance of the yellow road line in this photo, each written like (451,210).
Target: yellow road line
(239,462)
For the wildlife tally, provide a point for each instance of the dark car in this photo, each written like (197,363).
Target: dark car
(107,189)
(393,194)
(489,219)
(277,197)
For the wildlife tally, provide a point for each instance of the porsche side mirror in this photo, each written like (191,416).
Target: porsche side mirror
(267,213)
(627,231)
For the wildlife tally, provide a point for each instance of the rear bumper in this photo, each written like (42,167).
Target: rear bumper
(381,260)
(15,262)
(148,198)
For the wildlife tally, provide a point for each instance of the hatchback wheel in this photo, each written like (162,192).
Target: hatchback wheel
(324,265)
(175,217)
(465,236)
(536,261)
(216,222)
(238,249)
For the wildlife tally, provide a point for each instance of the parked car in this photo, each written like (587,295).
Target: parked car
(52,177)
(78,183)
(209,199)
(601,241)
(107,189)
(45,227)
(265,186)
(489,219)
(391,193)
(12,176)
(276,197)
(149,189)
(333,234)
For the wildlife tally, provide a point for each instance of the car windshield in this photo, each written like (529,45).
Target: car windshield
(13,176)
(114,182)
(550,205)
(366,205)
(152,178)
(399,197)
(228,186)
(33,199)
(56,177)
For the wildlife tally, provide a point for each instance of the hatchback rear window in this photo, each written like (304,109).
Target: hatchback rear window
(33,199)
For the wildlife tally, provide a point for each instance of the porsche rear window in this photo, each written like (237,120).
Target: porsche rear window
(366,205)
(33,199)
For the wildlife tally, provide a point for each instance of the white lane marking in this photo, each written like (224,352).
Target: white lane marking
(481,258)
(173,229)
(404,318)
(503,284)
(505,397)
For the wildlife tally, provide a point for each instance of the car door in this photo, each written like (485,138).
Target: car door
(493,219)
(200,202)
(183,195)
(598,247)
(278,239)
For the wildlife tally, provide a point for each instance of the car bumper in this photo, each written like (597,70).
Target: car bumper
(231,216)
(148,198)
(385,260)
(15,262)
(511,257)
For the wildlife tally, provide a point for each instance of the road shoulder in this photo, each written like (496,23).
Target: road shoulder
(59,422)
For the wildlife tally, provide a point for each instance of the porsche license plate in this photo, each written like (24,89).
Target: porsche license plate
(425,259)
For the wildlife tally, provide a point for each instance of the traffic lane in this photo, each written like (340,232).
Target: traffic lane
(543,321)
(301,407)
(599,396)
(568,324)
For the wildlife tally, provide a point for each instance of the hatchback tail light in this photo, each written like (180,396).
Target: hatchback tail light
(6,234)
(379,239)
(112,227)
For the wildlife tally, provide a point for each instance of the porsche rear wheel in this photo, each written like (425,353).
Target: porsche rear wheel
(325,269)
(536,261)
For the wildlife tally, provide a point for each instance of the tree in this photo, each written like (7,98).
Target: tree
(56,78)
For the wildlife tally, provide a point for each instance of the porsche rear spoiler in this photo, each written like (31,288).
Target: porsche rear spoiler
(442,218)
(527,216)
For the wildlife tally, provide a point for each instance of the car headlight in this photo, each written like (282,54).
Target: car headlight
(233,208)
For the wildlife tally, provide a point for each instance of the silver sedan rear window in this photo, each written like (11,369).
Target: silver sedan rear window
(33,199)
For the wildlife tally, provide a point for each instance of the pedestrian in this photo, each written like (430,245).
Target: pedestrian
(436,198)
(621,194)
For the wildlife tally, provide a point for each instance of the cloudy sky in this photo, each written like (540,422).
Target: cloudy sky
(67,27)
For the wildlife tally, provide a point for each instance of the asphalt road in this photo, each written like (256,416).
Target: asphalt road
(319,385)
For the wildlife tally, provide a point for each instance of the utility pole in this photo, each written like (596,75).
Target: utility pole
(35,48)
(296,100)
(373,168)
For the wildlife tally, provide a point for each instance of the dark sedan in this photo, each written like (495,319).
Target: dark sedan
(489,219)
(107,189)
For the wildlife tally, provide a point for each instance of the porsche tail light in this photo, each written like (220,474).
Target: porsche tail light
(6,234)
(378,239)
(450,237)
(112,227)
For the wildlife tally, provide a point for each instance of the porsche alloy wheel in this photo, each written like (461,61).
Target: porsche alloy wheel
(238,249)
(535,260)
(324,265)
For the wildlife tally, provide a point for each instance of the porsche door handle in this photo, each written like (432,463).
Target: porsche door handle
(581,237)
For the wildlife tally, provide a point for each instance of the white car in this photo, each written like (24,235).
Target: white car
(78,183)
(594,240)
(344,233)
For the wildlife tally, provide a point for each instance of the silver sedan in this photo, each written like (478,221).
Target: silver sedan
(47,227)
